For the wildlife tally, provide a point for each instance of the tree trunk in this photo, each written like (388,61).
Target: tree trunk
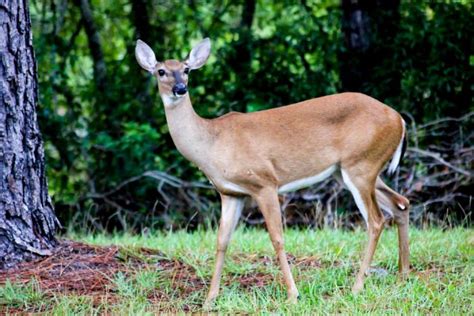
(355,62)
(95,46)
(370,28)
(141,20)
(151,35)
(242,60)
(27,220)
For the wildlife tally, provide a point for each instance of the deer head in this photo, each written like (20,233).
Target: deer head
(172,75)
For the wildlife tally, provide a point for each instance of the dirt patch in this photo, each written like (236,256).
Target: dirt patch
(80,269)
(432,271)
(76,268)
(257,279)
(253,280)
(305,262)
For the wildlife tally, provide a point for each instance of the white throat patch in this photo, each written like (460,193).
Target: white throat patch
(171,100)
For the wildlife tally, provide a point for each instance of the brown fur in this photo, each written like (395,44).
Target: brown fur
(278,146)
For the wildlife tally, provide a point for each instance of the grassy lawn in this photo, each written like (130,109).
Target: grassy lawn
(323,262)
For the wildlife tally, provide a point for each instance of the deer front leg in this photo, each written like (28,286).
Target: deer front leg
(267,201)
(231,209)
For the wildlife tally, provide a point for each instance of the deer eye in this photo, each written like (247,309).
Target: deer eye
(186,70)
(161,72)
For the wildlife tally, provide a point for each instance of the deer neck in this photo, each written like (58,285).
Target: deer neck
(188,130)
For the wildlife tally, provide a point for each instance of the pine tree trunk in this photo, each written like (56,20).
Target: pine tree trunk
(27,220)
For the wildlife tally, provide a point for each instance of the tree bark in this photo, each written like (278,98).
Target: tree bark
(27,220)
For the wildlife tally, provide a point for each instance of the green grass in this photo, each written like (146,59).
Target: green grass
(440,283)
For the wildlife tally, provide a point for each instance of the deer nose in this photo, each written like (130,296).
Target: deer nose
(180,88)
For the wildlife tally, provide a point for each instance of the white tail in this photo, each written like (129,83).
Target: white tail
(397,157)
(263,153)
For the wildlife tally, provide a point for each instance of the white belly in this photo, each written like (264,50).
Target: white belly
(288,187)
(306,182)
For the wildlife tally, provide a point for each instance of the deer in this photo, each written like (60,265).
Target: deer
(262,154)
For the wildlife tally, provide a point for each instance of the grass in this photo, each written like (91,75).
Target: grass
(324,265)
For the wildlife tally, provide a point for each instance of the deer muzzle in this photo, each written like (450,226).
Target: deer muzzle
(180,89)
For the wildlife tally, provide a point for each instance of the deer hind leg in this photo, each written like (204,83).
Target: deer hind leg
(267,200)
(362,187)
(231,210)
(398,205)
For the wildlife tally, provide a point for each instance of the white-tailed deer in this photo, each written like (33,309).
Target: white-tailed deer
(262,154)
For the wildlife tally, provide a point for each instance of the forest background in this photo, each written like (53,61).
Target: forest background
(111,163)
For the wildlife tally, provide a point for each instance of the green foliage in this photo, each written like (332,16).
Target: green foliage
(96,139)
(432,57)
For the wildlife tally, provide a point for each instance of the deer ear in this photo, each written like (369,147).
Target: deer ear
(145,56)
(199,54)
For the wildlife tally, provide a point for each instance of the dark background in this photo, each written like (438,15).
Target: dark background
(112,164)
